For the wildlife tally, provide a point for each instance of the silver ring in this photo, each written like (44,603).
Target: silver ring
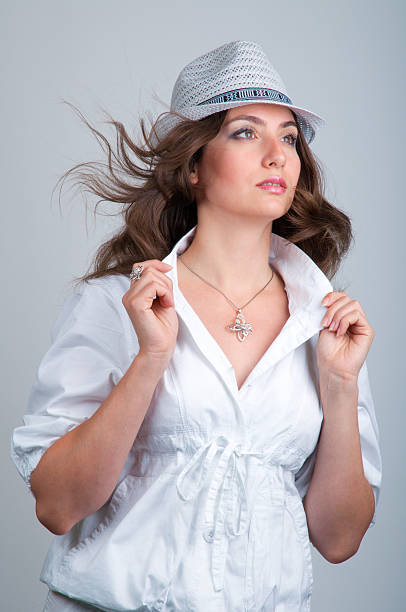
(136,272)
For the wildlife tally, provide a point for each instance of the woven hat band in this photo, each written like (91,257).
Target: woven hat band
(248,93)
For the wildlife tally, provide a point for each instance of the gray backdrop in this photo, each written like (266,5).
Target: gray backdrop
(343,60)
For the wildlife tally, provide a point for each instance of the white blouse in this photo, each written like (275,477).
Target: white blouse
(207,513)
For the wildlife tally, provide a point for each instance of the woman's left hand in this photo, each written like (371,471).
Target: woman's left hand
(343,350)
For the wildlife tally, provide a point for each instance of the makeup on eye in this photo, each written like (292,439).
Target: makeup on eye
(235,135)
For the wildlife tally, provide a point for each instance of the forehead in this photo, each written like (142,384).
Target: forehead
(262,110)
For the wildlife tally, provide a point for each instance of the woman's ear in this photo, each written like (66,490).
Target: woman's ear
(194,178)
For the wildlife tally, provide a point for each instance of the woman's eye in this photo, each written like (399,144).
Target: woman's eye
(293,139)
(242,131)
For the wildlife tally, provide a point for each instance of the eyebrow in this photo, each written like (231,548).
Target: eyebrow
(259,121)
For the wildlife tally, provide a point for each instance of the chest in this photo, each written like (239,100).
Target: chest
(267,314)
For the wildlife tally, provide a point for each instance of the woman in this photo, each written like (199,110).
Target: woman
(187,450)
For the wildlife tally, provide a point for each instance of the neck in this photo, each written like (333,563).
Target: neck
(234,258)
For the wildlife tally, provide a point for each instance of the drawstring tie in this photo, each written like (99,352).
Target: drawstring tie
(228,482)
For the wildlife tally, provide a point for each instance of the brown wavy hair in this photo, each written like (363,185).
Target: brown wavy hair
(151,181)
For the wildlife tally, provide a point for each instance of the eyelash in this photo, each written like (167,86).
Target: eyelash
(248,129)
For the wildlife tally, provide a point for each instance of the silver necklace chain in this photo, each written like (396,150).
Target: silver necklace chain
(240,326)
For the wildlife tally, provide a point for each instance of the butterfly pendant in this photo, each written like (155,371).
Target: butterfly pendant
(241,328)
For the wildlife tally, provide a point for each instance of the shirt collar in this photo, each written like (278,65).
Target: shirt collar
(305,286)
(305,283)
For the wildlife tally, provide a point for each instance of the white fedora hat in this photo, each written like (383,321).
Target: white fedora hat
(234,74)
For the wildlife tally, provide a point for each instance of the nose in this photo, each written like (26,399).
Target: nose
(274,154)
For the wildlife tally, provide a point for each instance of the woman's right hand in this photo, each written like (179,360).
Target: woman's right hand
(154,320)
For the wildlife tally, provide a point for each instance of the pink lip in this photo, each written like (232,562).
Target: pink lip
(273,188)
(274,179)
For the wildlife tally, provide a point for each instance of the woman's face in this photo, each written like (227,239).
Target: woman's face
(255,143)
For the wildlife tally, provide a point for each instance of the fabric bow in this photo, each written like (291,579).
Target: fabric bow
(228,517)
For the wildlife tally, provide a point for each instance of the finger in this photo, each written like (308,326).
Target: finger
(145,288)
(156,264)
(152,273)
(152,289)
(165,295)
(331,311)
(343,310)
(358,323)
(331,297)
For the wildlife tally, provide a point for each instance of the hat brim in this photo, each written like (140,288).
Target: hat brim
(309,122)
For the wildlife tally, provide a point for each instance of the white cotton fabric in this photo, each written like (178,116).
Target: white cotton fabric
(207,513)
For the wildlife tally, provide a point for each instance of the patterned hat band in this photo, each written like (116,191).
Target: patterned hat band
(248,93)
(243,74)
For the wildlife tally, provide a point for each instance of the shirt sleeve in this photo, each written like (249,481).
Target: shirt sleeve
(369,437)
(87,357)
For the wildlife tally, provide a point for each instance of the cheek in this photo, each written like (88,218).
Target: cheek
(295,169)
(223,170)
